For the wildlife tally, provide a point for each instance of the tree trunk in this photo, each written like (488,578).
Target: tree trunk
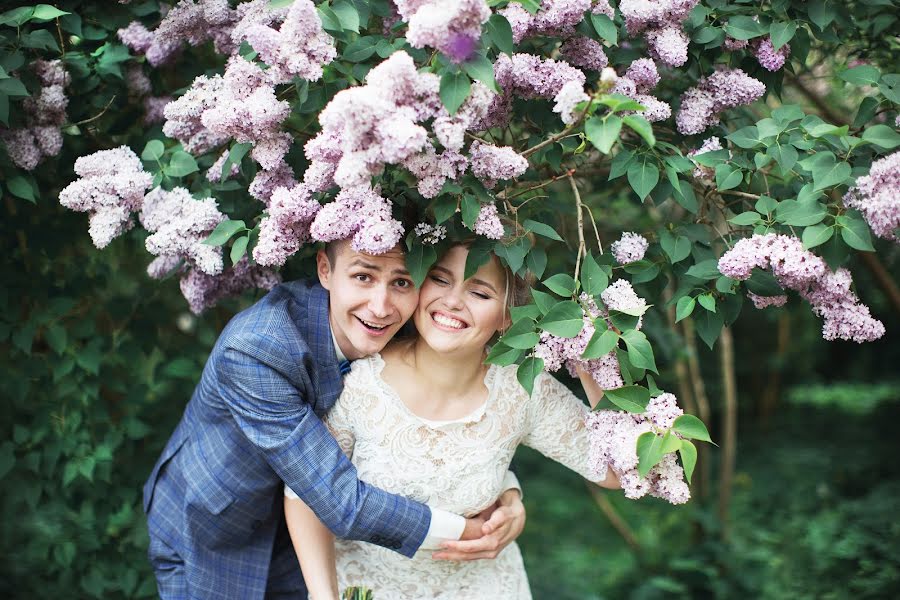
(729,428)
(696,376)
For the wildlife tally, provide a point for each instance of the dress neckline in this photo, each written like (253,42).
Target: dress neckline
(377,365)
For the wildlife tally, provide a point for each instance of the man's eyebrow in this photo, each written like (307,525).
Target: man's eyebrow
(358,262)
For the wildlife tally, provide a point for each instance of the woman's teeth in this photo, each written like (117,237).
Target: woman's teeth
(448,321)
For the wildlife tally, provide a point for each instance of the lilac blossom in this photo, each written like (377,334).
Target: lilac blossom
(432,169)
(267,182)
(661,23)
(769,58)
(430,234)
(710,144)
(762,302)
(204,291)
(585,53)
(490,163)
(529,76)
(111,187)
(183,116)
(877,197)
(454,28)
(179,224)
(829,294)
(488,222)
(450,130)
(669,45)
(631,247)
(640,78)
(724,89)
(287,226)
(556,18)
(361,214)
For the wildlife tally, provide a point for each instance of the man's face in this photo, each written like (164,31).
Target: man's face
(371,297)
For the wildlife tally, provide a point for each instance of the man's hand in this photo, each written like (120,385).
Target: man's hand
(500,524)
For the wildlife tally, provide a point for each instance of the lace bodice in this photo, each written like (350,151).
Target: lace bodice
(457,466)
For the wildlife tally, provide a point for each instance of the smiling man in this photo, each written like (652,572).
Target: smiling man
(214,501)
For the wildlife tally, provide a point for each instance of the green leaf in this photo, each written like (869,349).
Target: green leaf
(537,262)
(480,68)
(643,177)
(882,136)
(521,335)
(800,213)
(784,154)
(712,158)
(223,232)
(20,188)
(603,133)
(444,207)
(830,175)
(765,205)
(501,33)
(543,300)
(360,50)
(677,248)
(419,261)
(640,352)
(605,28)
(541,229)
(479,254)
(782,33)
(531,6)
(855,232)
(528,371)
(642,127)
(707,301)
(561,283)
(705,269)
(56,337)
(239,248)
(743,28)
(601,343)
(454,90)
(745,137)
(593,278)
(692,428)
(816,235)
(181,164)
(671,443)
(502,355)
(347,15)
(820,13)
(153,151)
(746,218)
(17,16)
(728,177)
(688,458)
(649,451)
(684,307)
(890,87)
(788,113)
(861,75)
(618,103)
(630,398)
(45,12)
(565,319)
(708,326)
(13,88)
(470,210)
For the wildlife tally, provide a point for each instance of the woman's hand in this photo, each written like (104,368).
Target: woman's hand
(591,387)
(502,523)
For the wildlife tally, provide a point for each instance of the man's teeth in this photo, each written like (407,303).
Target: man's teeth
(448,321)
(371,325)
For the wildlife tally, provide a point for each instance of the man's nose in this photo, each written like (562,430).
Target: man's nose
(380,303)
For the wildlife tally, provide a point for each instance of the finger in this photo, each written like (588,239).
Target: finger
(482,544)
(463,556)
(499,517)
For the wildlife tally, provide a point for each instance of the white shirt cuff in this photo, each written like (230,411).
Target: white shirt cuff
(289,493)
(444,526)
(511,482)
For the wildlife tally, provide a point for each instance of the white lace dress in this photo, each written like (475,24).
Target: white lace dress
(457,466)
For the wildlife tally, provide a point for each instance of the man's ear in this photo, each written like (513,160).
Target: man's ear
(323,269)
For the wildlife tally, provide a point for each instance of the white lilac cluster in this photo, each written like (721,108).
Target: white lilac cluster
(556,18)
(178,224)
(361,215)
(286,227)
(710,144)
(430,234)
(769,58)
(203,291)
(613,445)
(640,78)
(111,187)
(490,163)
(488,222)
(454,28)
(528,76)
(724,89)
(660,21)
(829,294)
(877,197)
(45,113)
(629,248)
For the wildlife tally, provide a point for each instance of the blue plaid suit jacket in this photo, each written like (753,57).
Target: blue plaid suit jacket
(214,498)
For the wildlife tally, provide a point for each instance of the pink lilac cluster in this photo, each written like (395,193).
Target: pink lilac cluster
(613,445)
(488,222)
(361,215)
(204,291)
(299,48)
(733,44)
(723,90)
(762,302)
(629,248)
(45,113)
(769,58)
(450,130)
(111,187)
(431,169)
(286,227)
(139,86)
(490,163)
(183,116)
(214,173)
(585,53)
(710,144)
(829,294)
(640,78)
(454,28)
(430,234)
(877,197)
(556,18)
(179,224)
(661,23)
(528,76)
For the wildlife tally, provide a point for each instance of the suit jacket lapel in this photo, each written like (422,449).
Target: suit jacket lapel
(317,331)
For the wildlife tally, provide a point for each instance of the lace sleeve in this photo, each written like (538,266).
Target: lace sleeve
(556,427)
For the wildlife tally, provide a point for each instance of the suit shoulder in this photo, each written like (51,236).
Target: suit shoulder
(278,316)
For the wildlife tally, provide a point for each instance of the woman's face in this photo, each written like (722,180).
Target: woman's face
(457,314)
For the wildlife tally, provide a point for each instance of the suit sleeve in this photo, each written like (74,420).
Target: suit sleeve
(265,390)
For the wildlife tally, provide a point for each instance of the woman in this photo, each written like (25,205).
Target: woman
(429,420)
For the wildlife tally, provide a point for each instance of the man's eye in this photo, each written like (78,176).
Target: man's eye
(404,283)
(362,277)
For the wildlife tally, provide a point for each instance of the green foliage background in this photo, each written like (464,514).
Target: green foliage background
(98,362)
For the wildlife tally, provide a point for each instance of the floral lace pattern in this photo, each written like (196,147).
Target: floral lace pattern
(457,466)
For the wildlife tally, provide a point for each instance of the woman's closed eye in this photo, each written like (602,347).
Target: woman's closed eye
(480,294)
(439,280)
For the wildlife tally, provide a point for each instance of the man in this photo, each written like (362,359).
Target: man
(213,500)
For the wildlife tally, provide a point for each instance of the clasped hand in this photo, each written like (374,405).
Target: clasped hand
(489,533)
